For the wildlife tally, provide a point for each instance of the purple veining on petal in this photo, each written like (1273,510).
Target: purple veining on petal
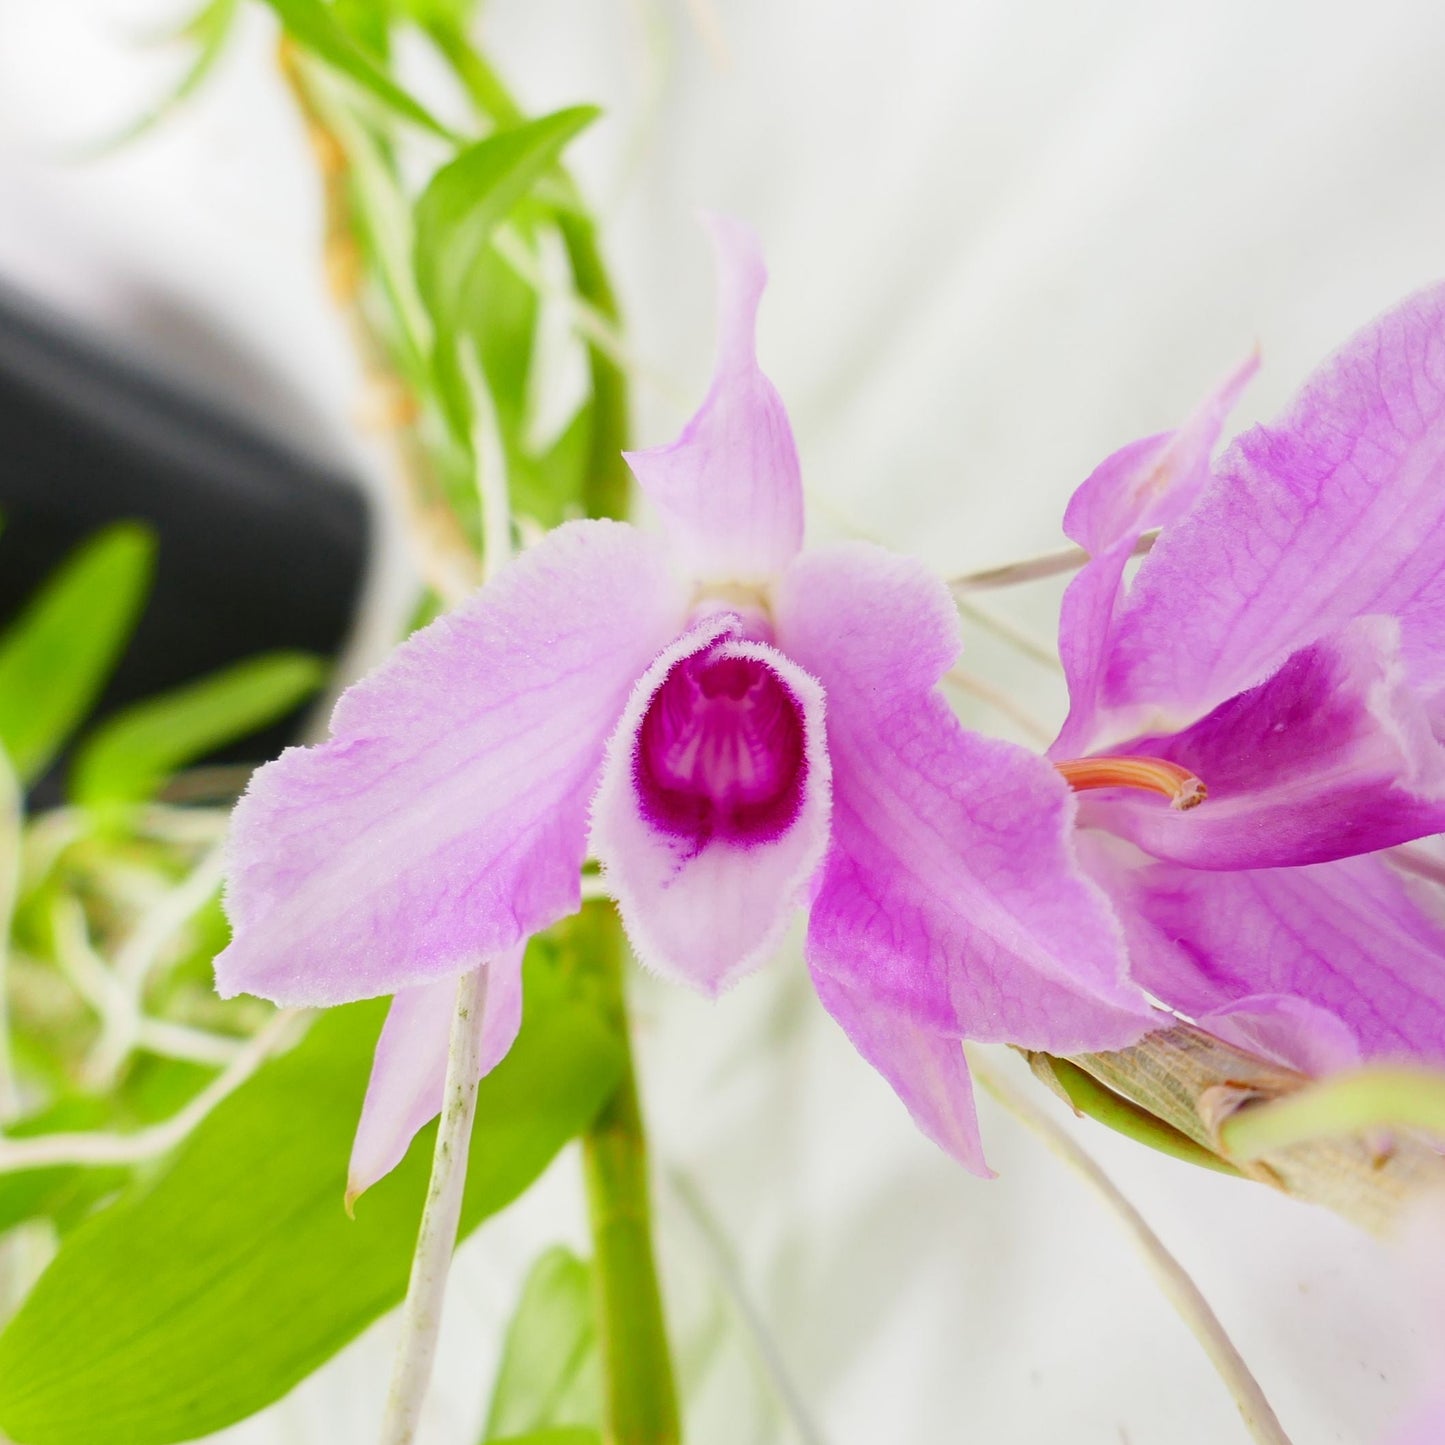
(1149,483)
(1329,757)
(1334,511)
(720,753)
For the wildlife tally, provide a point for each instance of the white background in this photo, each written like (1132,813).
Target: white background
(1004,239)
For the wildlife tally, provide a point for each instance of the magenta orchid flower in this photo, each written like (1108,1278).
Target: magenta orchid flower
(742,728)
(1282,648)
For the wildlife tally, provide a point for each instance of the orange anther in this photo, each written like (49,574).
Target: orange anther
(1154,775)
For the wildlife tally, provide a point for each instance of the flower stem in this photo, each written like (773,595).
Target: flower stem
(44,1151)
(1034,569)
(1173,1279)
(640,1396)
(426,1289)
(606,488)
(729,1276)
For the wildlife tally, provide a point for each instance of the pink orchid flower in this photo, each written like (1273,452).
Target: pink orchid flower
(1281,647)
(742,728)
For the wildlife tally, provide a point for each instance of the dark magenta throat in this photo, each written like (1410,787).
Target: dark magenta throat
(720,753)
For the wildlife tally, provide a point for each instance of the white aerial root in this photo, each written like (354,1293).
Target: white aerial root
(1178,1288)
(769,1357)
(490,460)
(116,991)
(431,1263)
(998,699)
(45,1150)
(1034,569)
(1019,638)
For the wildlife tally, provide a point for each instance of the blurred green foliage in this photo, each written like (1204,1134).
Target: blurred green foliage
(131,755)
(549,1376)
(56,657)
(209,1291)
(194,1284)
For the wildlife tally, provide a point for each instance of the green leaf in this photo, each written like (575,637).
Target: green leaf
(463,204)
(133,753)
(548,487)
(66,1191)
(312,26)
(208,30)
(1124,1116)
(565,1435)
(191,1304)
(153,1089)
(56,657)
(383,221)
(549,1375)
(368,22)
(501,314)
(1360,1101)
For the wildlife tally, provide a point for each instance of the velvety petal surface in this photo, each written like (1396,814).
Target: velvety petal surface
(408,1075)
(446,818)
(1353,938)
(729,490)
(1330,757)
(1149,483)
(706,897)
(950,896)
(1336,511)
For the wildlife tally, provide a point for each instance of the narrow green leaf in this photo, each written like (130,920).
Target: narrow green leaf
(564,1435)
(133,753)
(548,487)
(152,1090)
(463,204)
(1357,1102)
(368,22)
(500,312)
(64,1192)
(549,1375)
(58,654)
(190,1304)
(208,30)
(383,217)
(436,12)
(312,26)
(1125,1117)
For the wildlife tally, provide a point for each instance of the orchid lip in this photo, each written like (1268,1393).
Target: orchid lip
(720,752)
(1152,775)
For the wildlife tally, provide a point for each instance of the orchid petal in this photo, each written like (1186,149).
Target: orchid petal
(408,1075)
(927,1070)
(1423,1424)
(1330,757)
(950,894)
(729,489)
(1335,512)
(1291,1031)
(1353,938)
(1153,482)
(445,820)
(707,908)
(1149,483)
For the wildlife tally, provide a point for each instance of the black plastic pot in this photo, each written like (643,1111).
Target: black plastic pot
(259,547)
